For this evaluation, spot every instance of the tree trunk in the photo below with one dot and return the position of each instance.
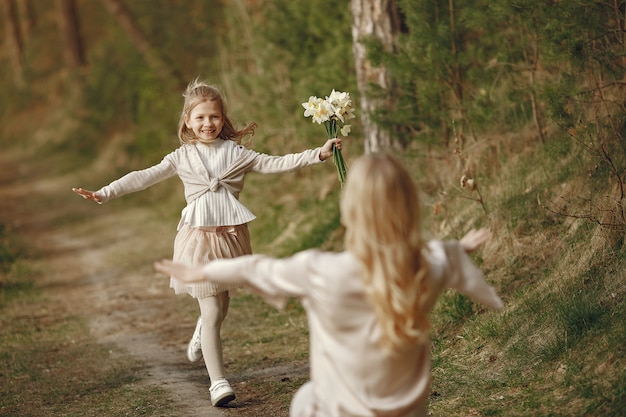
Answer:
(378, 20)
(456, 78)
(68, 26)
(14, 41)
(28, 19)
(136, 36)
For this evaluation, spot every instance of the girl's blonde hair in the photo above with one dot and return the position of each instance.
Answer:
(199, 92)
(380, 209)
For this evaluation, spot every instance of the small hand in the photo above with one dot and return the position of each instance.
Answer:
(179, 271)
(88, 195)
(473, 239)
(327, 150)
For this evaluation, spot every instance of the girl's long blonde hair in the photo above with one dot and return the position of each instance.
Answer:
(380, 209)
(199, 92)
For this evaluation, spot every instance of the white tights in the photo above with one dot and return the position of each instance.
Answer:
(213, 310)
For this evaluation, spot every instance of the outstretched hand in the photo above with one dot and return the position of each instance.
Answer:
(327, 149)
(474, 239)
(88, 195)
(179, 271)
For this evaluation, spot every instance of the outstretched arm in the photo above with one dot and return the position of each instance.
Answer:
(327, 149)
(181, 272)
(474, 239)
(276, 280)
(463, 275)
(88, 195)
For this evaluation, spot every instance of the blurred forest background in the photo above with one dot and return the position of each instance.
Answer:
(510, 114)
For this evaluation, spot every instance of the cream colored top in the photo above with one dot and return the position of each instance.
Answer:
(213, 177)
(351, 375)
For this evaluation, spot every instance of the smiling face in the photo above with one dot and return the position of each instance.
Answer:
(206, 120)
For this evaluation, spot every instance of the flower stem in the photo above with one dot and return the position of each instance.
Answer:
(340, 164)
(331, 131)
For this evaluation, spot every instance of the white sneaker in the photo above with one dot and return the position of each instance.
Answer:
(194, 348)
(221, 393)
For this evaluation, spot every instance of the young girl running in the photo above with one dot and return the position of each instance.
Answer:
(212, 165)
(367, 307)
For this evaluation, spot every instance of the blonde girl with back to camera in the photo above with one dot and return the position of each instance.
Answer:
(212, 164)
(367, 307)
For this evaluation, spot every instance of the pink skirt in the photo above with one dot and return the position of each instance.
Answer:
(200, 245)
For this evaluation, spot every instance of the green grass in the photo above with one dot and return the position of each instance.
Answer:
(50, 363)
(558, 348)
(51, 366)
(257, 336)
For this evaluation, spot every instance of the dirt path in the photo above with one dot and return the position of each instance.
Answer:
(97, 266)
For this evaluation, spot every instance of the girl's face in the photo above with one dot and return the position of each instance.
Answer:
(206, 120)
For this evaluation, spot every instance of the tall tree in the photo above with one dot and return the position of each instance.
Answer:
(14, 41)
(68, 26)
(446, 71)
(373, 20)
(27, 18)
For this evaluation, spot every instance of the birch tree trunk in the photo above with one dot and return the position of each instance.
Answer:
(68, 26)
(13, 41)
(375, 19)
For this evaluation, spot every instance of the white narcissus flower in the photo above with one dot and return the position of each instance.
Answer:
(341, 103)
(333, 112)
(311, 105)
(322, 112)
(348, 113)
(337, 98)
(337, 105)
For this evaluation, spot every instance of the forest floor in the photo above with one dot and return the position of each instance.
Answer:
(97, 264)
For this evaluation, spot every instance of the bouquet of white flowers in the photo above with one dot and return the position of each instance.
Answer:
(333, 112)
